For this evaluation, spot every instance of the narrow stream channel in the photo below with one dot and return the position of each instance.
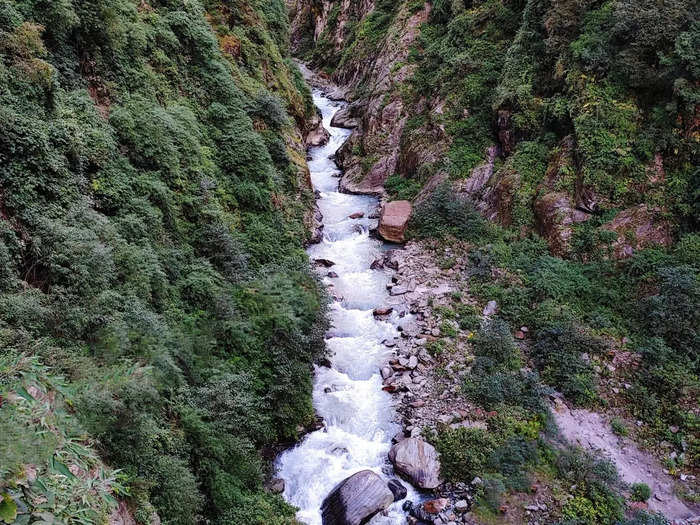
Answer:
(358, 415)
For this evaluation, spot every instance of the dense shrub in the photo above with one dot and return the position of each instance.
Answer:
(564, 355)
(446, 214)
(640, 492)
(146, 248)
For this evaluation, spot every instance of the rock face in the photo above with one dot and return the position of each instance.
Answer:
(356, 499)
(637, 228)
(418, 461)
(394, 219)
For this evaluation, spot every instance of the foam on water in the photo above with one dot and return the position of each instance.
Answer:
(358, 415)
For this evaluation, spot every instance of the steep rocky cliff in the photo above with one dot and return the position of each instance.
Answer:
(546, 115)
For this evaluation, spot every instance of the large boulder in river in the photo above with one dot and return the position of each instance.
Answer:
(394, 219)
(418, 461)
(356, 499)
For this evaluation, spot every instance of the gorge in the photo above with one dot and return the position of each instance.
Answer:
(273, 262)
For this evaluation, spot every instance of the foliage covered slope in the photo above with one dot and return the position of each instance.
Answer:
(559, 141)
(156, 310)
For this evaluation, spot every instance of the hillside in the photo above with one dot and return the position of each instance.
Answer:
(158, 319)
(550, 150)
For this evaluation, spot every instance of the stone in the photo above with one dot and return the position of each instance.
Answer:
(356, 215)
(382, 311)
(377, 264)
(436, 506)
(332, 275)
(324, 262)
(490, 309)
(397, 489)
(343, 119)
(418, 461)
(276, 486)
(461, 506)
(356, 499)
(394, 220)
(412, 362)
(386, 372)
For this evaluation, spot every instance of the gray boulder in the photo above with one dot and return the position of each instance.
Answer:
(418, 461)
(356, 499)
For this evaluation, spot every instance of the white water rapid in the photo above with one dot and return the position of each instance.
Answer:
(358, 415)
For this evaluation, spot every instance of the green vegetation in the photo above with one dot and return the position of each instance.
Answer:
(157, 316)
(640, 492)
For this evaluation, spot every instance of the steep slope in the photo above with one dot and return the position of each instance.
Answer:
(612, 85)
(551, 153)
(157, 317)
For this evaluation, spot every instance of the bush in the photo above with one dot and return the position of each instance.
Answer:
(559, 354)
(495, 342)
(464, 452)
(640, 492)
(446, 214)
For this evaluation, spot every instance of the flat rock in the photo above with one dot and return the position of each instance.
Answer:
(418, 461)
(356, 499)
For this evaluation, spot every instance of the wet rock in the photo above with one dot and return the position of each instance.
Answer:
(332, 275)
(324, 262)
(397, 489)
(418, 461)
(356, 499)
(461, 506)
(344, 119)
(377, 264)
(317, 137)
(382, 311)
(394, 220)
(356, 215)
(276, 486)
(386, 372)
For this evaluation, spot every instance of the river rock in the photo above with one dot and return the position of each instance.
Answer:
(418, 461)
(324, 262)
(344, 119)
(394, 219)
(356, 215)
(397, 489)
(356, 499)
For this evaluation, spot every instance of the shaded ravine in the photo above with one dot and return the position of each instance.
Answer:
(359, 417)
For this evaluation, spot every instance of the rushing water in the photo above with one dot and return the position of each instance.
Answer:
(358, 414)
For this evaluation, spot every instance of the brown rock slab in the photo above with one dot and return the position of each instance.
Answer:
(394, 220)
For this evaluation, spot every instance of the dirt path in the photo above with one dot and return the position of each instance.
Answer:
(593, 431)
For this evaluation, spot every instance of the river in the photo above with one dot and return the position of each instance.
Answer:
(359, 417)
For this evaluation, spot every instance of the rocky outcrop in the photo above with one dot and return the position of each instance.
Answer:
(556, 210)
(637, 228)
(418, 461)
(347, 117)
(394, 220)
(317, 135)
(356, 499)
